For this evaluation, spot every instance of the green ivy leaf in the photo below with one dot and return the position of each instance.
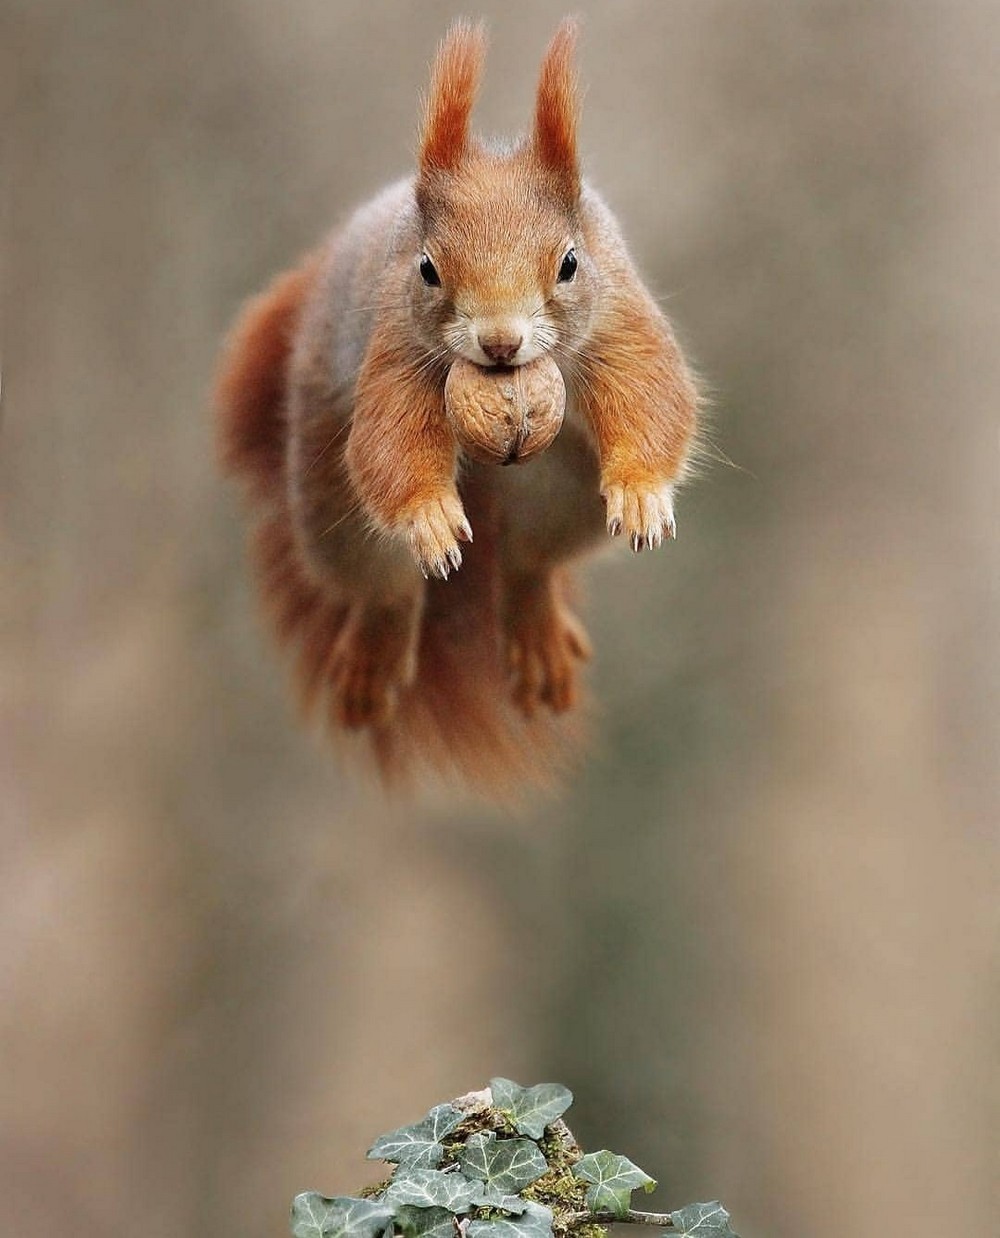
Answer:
(432, 1188)
(701, 1221)
(315, 1216)
(531, 1109)
(505, 1165)
(416, 1222)
(492, 1198)
(534, 1222)
(614, 1179)
(418, 1145)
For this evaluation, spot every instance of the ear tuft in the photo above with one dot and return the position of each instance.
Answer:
(556, 108)
(454, 82)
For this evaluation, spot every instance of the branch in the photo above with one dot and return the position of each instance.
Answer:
(632, 1217)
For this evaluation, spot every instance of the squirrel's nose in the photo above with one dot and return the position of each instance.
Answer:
(501, 348)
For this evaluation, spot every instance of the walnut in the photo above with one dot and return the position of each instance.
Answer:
(505, 415)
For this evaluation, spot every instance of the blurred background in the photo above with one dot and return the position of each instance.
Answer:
(755, 936)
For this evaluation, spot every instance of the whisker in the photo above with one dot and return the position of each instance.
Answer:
(705, 447)
(376, 305)
(662, 297)
(578, 355)
(346, 515)
(319, 456)
(429, 361)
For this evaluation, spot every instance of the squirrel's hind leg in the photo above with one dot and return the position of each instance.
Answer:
(545, 642)
(354, 646)
(552, 511)
(373, 661)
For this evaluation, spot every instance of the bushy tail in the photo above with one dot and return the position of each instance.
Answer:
(457, 720)
(252, 381)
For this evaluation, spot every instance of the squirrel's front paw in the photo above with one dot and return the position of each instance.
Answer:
(434, 530)
(645, 513)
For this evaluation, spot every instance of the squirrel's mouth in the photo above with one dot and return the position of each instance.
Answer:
(500, 367)
(492, 357)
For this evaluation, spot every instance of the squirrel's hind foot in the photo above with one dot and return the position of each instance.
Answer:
(373, 661)
(545, 644)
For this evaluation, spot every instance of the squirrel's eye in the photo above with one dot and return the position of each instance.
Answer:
(568, 268)
(428, 272)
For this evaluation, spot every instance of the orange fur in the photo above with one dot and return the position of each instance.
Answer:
(251, 382)
(331, 410)
(454, 82)
(556, 110)
(639, 398)
(401, 453)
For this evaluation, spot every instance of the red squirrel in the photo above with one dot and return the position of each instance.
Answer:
(426, 597)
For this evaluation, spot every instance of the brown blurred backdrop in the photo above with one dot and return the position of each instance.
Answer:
(755, 936)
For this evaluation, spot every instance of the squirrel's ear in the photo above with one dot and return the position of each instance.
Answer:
(556, 108)
(454, 81)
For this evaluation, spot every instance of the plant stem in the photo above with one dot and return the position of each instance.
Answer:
(632, 1217)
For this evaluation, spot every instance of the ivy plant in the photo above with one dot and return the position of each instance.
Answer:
(500, 1163)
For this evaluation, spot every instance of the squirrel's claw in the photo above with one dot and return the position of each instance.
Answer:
(645, 513)
(433, 531)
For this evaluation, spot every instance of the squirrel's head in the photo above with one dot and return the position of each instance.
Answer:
(502, 276)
